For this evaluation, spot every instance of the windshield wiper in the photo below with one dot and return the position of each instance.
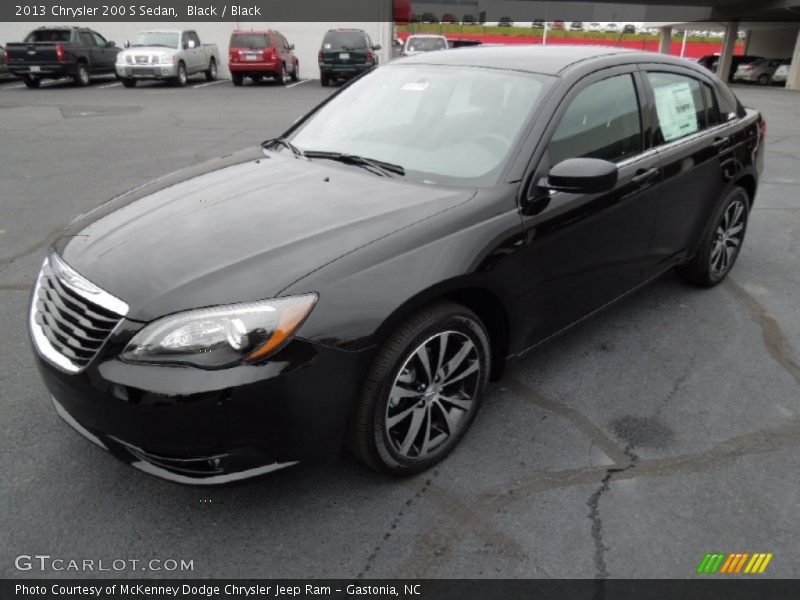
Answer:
(282, 141)
(378, 167)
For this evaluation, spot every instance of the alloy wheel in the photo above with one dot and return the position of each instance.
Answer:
(432, 394)
(728, 238)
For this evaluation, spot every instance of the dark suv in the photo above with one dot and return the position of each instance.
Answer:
(346, 53)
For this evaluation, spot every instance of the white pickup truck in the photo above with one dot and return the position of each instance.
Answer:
(171, 55)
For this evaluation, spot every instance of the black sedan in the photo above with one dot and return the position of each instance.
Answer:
(359, 281)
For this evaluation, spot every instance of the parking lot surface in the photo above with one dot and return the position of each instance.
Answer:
(664, 428)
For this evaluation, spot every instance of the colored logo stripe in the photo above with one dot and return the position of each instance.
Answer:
(734, 562)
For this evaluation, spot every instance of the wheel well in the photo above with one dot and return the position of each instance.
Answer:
(748, 182)
(494, 317)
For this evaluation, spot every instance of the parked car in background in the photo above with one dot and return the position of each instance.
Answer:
(259, 54)
(505, 22)
(781, 74)
(594, 27)
(758, 71)
(469, 19)
(449, 18)
(711, 62)
(558, 25)
(364, 276)
(429, 17)
(611, 28)
(576, 26)
(56, 52)
(538, 24)
(167, 55)
(346, 53)
(629, 28)
(418, 43)
(3, 63)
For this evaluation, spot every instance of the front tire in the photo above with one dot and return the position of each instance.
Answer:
(211, 73)
(422, 391)
(296, 72)
(237, 79)
(763, 79)
(182, 79)
(722, 242)
(129, 83)
(31, 82)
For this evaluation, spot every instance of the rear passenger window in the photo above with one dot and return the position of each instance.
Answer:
(602, 121)
(712, 109)
(679, 105)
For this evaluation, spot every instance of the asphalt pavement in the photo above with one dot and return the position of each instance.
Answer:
(664, 428)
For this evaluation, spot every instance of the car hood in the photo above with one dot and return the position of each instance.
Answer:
(240, 228)
(148, 50)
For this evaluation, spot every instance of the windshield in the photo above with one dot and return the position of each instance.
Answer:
(49, 35)
(444, 125)
(344, 39)
(250, 40)
(424, 44)
(166, 39)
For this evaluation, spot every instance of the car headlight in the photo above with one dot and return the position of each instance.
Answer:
(166, 59)
(222, 336)
(121, 58)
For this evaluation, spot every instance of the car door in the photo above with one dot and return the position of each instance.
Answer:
(93, 51)
(695, 148)
(198, 53)
(107, 54)
(585, 250)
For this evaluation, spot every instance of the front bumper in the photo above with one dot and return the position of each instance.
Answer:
(209, 427)
(147, 71)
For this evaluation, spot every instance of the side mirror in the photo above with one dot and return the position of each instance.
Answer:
(376, 47)
(581, 176)
(291, 46)
(127, 43)
(112, 44)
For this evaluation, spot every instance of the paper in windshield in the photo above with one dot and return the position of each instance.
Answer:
(676, 111)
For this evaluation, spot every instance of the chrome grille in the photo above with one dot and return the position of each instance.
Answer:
(71, 318)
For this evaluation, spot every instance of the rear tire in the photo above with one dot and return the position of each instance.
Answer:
(31, 82)
(422, 391)
(283, 75)
(211, 73)
(82, 78)
(721, 243)
(763, 79)
(129, 83)
(237, 79)
(324, 80)
(296, 72)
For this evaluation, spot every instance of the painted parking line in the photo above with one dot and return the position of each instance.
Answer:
(12, 87)
(109, 85)
(54, 82)
(210, 83)
(301, 82)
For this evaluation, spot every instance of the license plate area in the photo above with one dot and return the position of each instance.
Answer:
(36, 69)
(344, 56)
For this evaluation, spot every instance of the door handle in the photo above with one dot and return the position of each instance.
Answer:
(643, 177)
(721, 142)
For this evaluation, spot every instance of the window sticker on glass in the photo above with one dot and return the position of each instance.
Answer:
(677, 114)
(415, 86)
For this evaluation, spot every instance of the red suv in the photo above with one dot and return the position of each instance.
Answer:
(258, 54)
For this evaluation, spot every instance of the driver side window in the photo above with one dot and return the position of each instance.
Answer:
(602, 121)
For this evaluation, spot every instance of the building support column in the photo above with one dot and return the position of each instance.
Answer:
(666, 40)
(793, 81)
(728, 46)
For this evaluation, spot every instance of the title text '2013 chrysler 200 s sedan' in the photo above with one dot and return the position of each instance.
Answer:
(358, 281)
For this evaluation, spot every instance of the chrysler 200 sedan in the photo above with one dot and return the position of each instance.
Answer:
(359, 280)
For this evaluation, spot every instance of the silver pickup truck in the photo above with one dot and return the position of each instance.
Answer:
(171, 55)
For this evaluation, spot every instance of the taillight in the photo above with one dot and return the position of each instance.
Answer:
(762, 128)
(321, 55)
(61, 54)
(370, 57)
(234, 55)
(6, 55)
